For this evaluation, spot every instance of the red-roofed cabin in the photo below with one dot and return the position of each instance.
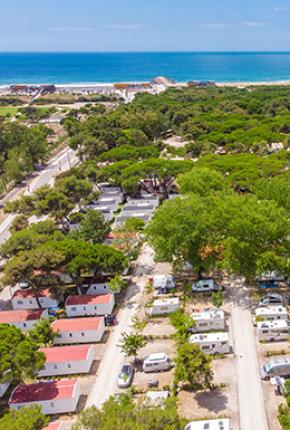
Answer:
(55, 426)
(55, 397)
(25, 299)
(78, 306)
(94, 285)
(23, 319)
(67, 360)
(78, 330)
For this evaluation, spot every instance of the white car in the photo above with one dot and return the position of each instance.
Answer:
(126, 375)
(206, 285)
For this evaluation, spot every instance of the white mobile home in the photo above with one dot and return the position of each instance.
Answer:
(212, 343)
(67, 360)
(274, 330)
(165, 306)
(209, 319)
(276, 367)
(78, 330)
(157, 363)
(162, 283)
(94, 286)
(25, 299)
(269, 313)
(54, 397)
(88, 305)
(219, 424)
(23, 319)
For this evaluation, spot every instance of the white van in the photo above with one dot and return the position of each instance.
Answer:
(165, 306)
(212, 343)
(276, 367)
(272, 330)
(209, 319)
(219, 424)
(157, 363)
(270, 313)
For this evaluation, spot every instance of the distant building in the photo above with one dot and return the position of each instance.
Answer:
(54, 397)
(78, 330)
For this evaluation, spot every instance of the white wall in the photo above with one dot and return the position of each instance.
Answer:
(81, 336)
(31, 303)
(96, 289)
(52, 407)
(164, 309)
(90, 309)
(68, 367)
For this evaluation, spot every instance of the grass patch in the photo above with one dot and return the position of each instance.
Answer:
(8, 111)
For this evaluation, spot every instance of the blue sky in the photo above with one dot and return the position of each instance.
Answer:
(139, 25)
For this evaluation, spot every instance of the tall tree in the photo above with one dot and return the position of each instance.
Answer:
(28, 418)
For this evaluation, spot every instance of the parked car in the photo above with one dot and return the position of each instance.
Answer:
(125, 377)
(271, 299)
(206, 285)
(110, 319)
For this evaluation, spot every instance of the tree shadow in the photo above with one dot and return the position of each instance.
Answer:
(215, 400)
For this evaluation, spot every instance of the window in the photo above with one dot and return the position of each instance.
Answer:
(70, 334)
(55, 366)
(74, 308)
(30, 302)
(95, 307)
(83, 334)
(20, 302)
(24, 324)
(51, 404)
(202, 324)
(84, 308)
(69, 366)
(205, 347)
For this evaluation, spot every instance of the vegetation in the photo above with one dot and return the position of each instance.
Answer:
(182, 322)
(125, 414)
(41, 333)
(131, 343)
(25, 419)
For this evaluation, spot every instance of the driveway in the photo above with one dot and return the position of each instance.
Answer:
(113, 359)
(250, 394)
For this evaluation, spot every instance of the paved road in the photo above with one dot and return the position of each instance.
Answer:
(251, 399)
(61, 162)
(113, 359)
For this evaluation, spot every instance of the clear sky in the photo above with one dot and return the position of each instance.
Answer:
(145, 25)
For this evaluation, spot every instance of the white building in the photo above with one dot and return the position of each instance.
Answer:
(78, 330)
(209, 319)
(219, 424)
(162, 283)
(269, 313)
(212, 343)
(94, 286)
(54, 397)
(165, 306)
(25, 299)
(106, 211)
(275, 330)
(88, 305)
(23, 319)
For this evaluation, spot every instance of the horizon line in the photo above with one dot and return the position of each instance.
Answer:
(150, 52)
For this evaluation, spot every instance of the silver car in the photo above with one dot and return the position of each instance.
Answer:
(125, 377)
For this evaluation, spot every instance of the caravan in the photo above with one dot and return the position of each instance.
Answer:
(272, 330)
(270, 313)
(157, 363)
(212, 343)
(276, 367)
(209, 319)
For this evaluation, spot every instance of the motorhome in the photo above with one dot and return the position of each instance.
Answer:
(157, 363)
(165, 306)
(270, 313)
(162, 284)
(207, 320)
(212, 343)
(272, 330)
(276, 367)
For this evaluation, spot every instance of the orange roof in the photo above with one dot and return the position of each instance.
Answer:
(60, 354)
(76, 324)
(89, 300)
(42, 391)
(23, 294)
(7, 317)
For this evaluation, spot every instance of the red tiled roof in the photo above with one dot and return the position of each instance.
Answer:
(66, 353)
(42, 391)
(86, 300)
(23, 294)
(7, 317)
(76, 324)
(53, 426)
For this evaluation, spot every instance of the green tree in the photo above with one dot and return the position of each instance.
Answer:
(30, 418)
(41, 334)
(117, 284)
(202, 181)
(131, 343)
(182, 322)
(93, 227)
(284, 417)
(20, 222)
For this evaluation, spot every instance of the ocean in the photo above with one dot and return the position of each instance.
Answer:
(81, 68)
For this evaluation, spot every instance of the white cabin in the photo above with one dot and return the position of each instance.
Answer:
(269, 313)
(162, 283)
(212, 343)
(274, 330)
(94, 286)
(87, 305)
(22, 319)
(207, 320)
(78, 330)
(25, 299)
(165, 306)
(67, 360)
(54, 397)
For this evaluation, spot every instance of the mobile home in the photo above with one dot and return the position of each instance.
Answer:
(276, 367)
(87, 305)
(162, 283)
(25, 299)
(209, 319)
(23, 319)
(94, 286)
(78, 330)
(165, 306)
(270, 313)
(274, 330)
(156, 363)
(212, 343)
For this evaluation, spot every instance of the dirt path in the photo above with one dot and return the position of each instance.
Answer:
(250, 394)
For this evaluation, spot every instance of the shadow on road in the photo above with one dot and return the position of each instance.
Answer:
(215, 401)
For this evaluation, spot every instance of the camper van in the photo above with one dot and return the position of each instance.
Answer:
(209, 319)
(276, 367)
(165, 306)
(272, 330)
(270, 313)
(157, 363)
(212, 343)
